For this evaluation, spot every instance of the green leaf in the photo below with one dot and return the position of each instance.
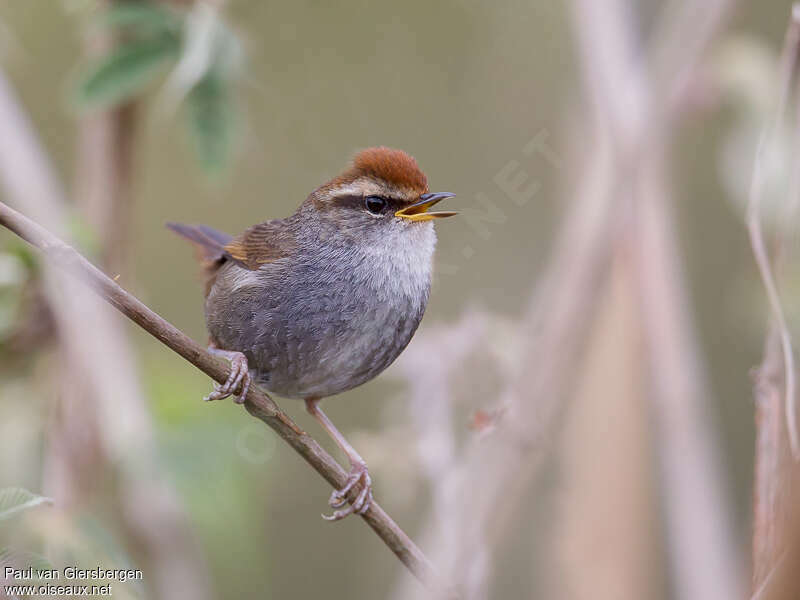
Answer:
(126, 71)
(210, 112)
(16, 500)
(141, 17)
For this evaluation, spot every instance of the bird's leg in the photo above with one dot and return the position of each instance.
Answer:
(239, 379)
(358, 469)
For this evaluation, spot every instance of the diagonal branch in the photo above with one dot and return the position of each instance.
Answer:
(257, 403)
(788, 66)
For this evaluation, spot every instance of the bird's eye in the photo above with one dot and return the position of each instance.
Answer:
(375, 204)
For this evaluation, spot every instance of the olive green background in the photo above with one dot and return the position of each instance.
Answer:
(461, 85)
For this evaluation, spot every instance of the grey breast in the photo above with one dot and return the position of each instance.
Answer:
(313, 330)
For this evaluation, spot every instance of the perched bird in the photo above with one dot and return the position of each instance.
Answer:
(320, 302)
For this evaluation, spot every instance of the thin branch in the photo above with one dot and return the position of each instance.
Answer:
(757, 595)
(695, 511)
(789, 59)
(257, 403)
(775, 474)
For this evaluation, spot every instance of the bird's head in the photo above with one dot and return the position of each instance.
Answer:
(382, 190)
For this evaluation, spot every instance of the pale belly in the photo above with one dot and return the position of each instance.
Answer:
(338, 356)
(302, 344)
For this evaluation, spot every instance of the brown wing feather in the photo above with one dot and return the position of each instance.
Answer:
(258, 245)
(261, 244)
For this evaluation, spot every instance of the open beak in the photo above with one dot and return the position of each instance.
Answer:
(419, 210)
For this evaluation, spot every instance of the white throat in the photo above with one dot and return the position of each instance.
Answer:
(401, 263)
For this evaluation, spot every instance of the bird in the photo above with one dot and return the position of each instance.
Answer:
(320, 302)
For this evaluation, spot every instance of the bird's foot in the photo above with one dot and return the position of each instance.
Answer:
(239, 379)
(358, 473)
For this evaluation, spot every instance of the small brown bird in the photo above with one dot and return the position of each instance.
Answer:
(324, 300)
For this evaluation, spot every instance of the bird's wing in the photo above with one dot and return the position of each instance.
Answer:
(261, 244)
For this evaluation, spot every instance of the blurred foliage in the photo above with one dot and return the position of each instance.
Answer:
(14, 502)
(17, 500)
(18, 267)
(15, 558)
(203, 54)
(151, 39)
(210, 120)
(12, 275)
(125, 71)
(82, 541)
(82, 235)
(138, 18)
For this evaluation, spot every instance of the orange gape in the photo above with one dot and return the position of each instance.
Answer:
(324, 300)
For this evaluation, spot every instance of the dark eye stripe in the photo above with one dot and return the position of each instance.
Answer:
(356, 201)
(351, 200)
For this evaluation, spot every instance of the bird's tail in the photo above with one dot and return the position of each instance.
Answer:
(210, 242)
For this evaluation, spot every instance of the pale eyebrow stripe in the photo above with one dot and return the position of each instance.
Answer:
(366, 188)
(350, 190)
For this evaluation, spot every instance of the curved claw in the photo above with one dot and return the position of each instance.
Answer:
(239, 378)
(361, 504)
(335, 500)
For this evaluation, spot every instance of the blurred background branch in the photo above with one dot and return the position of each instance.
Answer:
(610, 217)
(101, 367)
